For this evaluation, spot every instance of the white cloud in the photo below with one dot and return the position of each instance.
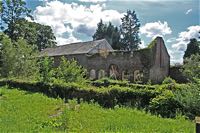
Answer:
(93, 1)
(66, 20)
(185, 36)
(142, 45)
(171, 39)
(154, 29)
(188, 11)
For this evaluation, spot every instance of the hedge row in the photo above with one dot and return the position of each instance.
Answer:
(114, 96)
(164, 100)
(107, 82)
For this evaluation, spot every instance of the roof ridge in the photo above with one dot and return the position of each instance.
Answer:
(80, 43)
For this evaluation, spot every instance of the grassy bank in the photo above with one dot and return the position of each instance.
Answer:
(23, 111)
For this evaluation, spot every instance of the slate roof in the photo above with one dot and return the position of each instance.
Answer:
(74, 48)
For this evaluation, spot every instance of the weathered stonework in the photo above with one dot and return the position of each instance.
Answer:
(151, 63)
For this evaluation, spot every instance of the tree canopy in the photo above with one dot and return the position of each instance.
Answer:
(193, 47)
(37, 35)
(17, 60)
(192, 66)
(130, 31)
(16, 26)
(109, 32)
(124, 38)
(12, 10)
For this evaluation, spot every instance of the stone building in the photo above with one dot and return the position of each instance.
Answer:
(100, 60)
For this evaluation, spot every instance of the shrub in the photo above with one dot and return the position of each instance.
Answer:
(189, 97)
(191, 67)
(69, 71)
(46, 69)
(168, 80)
(18, 60)
(165, 104)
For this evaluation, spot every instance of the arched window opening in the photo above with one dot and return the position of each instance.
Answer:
(92, 74)
(125, 75)
(101, 74)
(113, 72)
(138, 76)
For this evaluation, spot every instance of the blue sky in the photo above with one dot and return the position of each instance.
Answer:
(75, 20)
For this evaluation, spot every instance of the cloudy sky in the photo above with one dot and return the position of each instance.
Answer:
(75, 20)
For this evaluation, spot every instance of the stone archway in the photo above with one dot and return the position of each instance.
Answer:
(138, 76)
(92, 74)
(125, 75)
(101, 74)
(114, 71)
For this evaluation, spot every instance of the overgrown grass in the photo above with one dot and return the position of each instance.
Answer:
(21, 111)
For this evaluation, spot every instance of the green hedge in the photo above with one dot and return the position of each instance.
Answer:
(105, 82)
(106, 97)
(165, 100)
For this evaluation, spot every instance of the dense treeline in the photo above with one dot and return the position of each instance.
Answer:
(125, 37)
(14, 24)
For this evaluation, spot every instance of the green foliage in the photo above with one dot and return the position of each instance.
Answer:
(130, 31)
(46, 69)
(8, 52)
(18, 60)
(165, 104)
(191, 67)
(193, 47)
(53, 115)
(105, 96)
(109, 32)
(69, 71)
(16, 26)
(165, 100)
(189, 97)
(152, 44)
(12, 10)
(37, 35)
(168, 80)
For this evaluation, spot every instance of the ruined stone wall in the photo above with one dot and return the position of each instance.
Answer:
(119, 65)
(137, 66)
(161, 62)
(132, 66)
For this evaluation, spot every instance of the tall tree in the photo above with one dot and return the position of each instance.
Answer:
(12, 10)
(18, 60)
(108, 32)
(193, 47)
(191, 67)
(100, 32)
(130, 31)
(37, 35)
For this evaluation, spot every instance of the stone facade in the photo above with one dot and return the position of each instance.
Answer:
(151, 63)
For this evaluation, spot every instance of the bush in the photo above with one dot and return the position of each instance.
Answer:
(106, 97)
(164, 100)
(69, 71)
(18, 60)
(191, 67)
(46, 69)
(189, 97)
(168, 80)
(165, 105)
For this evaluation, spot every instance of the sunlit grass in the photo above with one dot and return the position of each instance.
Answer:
(21, 111)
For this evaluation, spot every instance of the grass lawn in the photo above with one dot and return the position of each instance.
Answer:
(21, 111)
